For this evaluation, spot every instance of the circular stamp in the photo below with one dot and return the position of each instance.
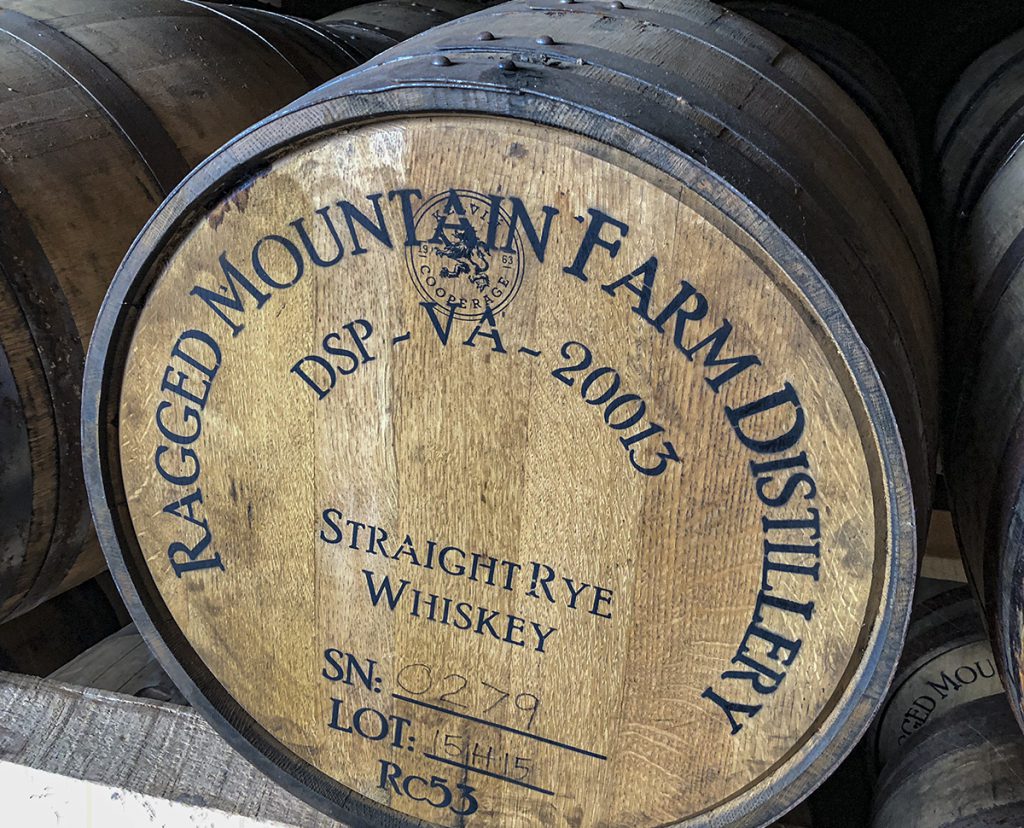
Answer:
(469, 255)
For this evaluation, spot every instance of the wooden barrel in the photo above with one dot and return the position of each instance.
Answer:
(392, 21)
(978, 142)
(965, 772)
(979, 126)
(97, 127)
(853, 65)
(946, 662)
(507, 432)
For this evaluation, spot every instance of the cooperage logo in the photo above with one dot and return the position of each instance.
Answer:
(467, 257)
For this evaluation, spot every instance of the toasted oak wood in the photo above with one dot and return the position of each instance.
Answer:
(581, 628)
(104, 108)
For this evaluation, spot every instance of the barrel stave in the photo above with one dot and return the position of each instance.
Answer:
(742, 107)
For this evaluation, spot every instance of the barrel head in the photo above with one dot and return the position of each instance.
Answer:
(535, 482)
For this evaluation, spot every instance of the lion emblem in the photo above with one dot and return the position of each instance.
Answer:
(452, 264)
(465, 256)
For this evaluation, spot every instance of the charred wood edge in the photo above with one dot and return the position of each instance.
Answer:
(416, 88)
(150, 748)
(32, 280)
(126, 110)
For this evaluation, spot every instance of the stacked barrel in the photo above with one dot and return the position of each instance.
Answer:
(97, 127)
(946, 662)
(852, 65)
(942, 745)
(977, 143)
(529, 414)
(546, 408)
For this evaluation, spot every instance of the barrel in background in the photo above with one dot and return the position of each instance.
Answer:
(946, 662)
(978, 145)
(964, 771)
(851, 64)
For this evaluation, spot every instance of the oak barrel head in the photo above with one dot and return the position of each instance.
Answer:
(472, 454)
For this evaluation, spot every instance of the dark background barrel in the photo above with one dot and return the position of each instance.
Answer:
(105, 105)
(963, 773)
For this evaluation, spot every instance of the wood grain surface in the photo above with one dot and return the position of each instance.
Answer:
(136, 747)
(471, 452)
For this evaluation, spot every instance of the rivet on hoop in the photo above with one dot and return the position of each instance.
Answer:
(440, 60)
(507, 65)
(545, 40)
(616, 4)
(485, 36)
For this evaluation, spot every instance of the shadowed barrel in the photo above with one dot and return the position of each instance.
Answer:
(946, 662)
(964, 772)
(978, 143)
(851, 64)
